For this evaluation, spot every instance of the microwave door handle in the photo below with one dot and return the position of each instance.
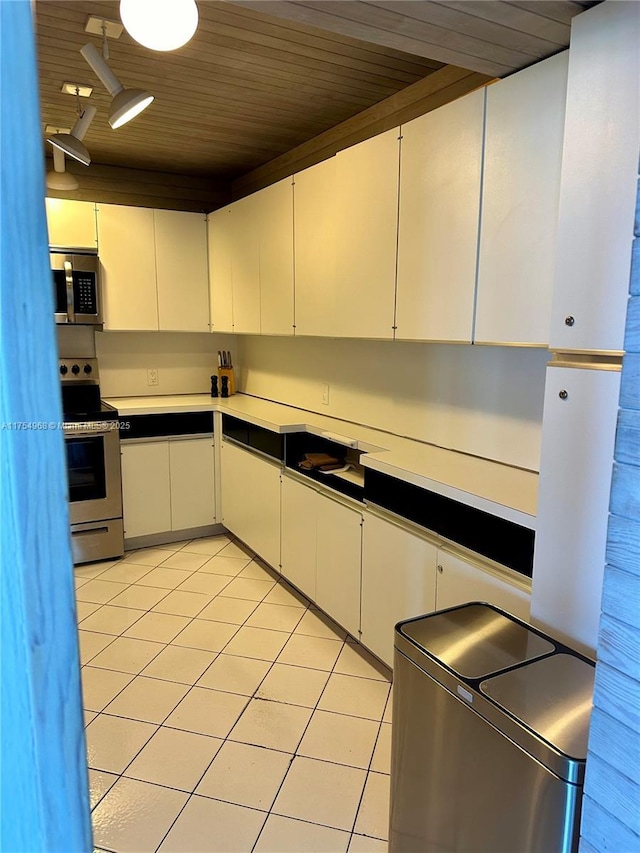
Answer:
(68, 275)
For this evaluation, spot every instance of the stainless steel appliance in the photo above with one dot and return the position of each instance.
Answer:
(489, 741)
(76, 286)
(92, 444)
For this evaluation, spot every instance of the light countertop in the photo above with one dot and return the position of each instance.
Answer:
(502, 490)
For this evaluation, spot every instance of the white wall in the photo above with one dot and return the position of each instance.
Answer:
(482, 400)
(184, 361)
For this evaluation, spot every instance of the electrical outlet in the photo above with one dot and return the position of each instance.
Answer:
(152, 376)
(325, 394)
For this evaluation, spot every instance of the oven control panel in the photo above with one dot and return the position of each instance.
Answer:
(79, 370)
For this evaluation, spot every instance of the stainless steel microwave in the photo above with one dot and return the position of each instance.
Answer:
(76, 286)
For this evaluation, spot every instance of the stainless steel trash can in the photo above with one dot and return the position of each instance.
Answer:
(489, 736)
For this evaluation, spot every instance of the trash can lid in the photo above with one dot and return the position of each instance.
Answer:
(552, 697)
(475, 640)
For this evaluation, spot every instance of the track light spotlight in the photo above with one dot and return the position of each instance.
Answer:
(71, 143)
(59, 178)
(126, 103)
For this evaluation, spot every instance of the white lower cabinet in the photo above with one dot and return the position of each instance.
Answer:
(459, 581)
(398, 581)
(298, 558)
(167, 485)
(251, 500)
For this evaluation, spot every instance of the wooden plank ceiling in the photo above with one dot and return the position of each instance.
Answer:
(262, 80)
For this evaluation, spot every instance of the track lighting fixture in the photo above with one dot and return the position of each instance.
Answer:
(71, 143)
(126, 103)
(160, 24)
(59, 178)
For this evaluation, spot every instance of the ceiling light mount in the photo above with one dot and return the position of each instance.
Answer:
(82, 90)
(126, 103)
(101, 26)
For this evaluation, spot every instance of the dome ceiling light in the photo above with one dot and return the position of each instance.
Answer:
(126, 103)
(58, 178)
(160, 24)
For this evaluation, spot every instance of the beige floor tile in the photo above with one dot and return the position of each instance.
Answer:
(99, 783)
(271, 724)
(125, 573)
(92, 570)
(173, 546)
(112, 742)
(207, 712)
(185, 560)
(79, 582)
(335, 737)
(245, 588)
(88, 717)
(164, 578)
(364, 844)
(157, 627)
(139, 597)
(233, 610)
(208, 545)
(229, 566)
(313, 652)
(92, 644)
(100, 686)
(257, 643)
(205, 634)
(205, 582)
(294, 685)
(245, 775)
(388, 711)
(127, 655)
(314, 623)
(373, 814)
(286, 835)
(99, 591)
(282, 594)
(183, 603)
(354, 660)
(321, 793)
(277, 617)
(111, 620)
(174, 758)
(214, 827)
(358, 697)
(147, 556)
(147, 699)
(134, 816)
(237, 549)
(85, 608)
(258, 571)
(235, 674)
(382, 753)
(176, 663)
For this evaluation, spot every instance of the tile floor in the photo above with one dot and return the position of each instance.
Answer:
(223, 712)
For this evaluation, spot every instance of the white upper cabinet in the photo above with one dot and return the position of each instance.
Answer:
(245, 265)
(128, 262)
(275, 225)
(219, 234)
(71, 224)
(599, 180)
(366, 225)
(440, 174)
(522, 162)
(182, 274)
(316, 301)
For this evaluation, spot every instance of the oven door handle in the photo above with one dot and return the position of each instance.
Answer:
(68, 276)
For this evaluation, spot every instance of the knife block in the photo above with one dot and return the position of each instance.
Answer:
(230, 374)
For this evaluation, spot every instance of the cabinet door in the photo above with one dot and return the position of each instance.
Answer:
(145, 488)
(339, 557)
(251, 501)
(275, 210)
(182, 276)
(366, 228)
(245, 261)
(398, 582)
(298, 557)
(576, 461)
(440, 171)
(128, 261)
(459, 581)
(220, 270)
(192, 483)
(316, 300)
(71, 223)
(599, 180)
(521, 186)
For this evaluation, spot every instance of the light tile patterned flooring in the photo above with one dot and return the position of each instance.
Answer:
(223, 712)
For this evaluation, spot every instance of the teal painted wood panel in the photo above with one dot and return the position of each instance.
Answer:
(619, 646)
(44, 790)
(621, 594)
(625, 491)
(614, 742)
(605, 833)
(627, 447)
(632, 333)
(623, 543)
(618, 695)
(630, 381)
(634, 287)
(618, 792)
